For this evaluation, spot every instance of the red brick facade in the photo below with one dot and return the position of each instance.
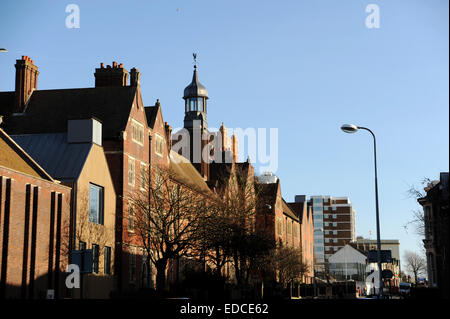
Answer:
(34, 235)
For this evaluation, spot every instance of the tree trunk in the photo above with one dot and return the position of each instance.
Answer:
(161, 266)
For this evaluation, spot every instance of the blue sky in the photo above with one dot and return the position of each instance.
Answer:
(304, 67)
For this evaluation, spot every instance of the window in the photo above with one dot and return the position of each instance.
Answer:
(131, 171)
(132, 264)
(130, 220)
(289, 228)
(143, 176)
(159, 144)
(327, 232)
(327, 224)
(107, 263)
(137, 132)
(82, 245)
(327, 240)
(334, 224)
(278, 226)
(335, 241)
(95, 257)
(334, 232)
(295, 230)
(96, 204)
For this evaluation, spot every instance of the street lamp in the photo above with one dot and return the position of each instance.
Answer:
(350, 128)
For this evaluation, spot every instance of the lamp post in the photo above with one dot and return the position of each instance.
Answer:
(350, 128)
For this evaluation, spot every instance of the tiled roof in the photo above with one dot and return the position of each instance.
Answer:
(186, 173)
(48, 110)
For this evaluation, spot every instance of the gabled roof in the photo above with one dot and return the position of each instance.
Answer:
(267, 192)
(151, 112)
(13, 156)
(48, 110)
(62, 160)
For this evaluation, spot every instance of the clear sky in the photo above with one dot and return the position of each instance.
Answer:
(304, 67)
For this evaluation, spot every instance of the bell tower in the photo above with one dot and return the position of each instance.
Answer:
(195, 97)
(196, 122)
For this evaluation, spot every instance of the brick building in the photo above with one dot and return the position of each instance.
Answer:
(301, 208)
(77, 159)
(34, 209)
(334, 226)
(437, 238)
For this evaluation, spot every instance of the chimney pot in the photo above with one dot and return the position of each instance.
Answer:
(114, 64)
(102, 65)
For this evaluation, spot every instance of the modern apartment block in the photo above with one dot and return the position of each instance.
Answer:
(334, 226)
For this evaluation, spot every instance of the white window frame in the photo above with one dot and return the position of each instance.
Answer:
(137, 129)
(159, 138)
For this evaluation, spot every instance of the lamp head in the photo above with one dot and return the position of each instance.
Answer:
(3, 50)
(349, 128)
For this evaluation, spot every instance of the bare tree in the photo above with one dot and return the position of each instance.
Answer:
(417, 221)
(234, 237)
(415, 264)
(168, 216)
(289, 265)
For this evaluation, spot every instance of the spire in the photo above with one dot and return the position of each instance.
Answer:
(195, 88)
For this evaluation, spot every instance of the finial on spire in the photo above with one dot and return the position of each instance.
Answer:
(195, 59)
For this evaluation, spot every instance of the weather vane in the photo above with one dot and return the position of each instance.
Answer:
(195, 59)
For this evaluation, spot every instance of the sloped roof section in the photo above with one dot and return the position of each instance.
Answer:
(297, 208)
(63, 161)
(14, 157)
(48, 110)
(6, 102)
(186, 173)
(288, 211)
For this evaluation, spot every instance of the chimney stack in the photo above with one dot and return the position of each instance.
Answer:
(135, 77)
(26, 82)
(111, 76)
(235, 148)
(168, 129)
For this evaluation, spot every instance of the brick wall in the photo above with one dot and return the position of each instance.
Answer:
(34, 235)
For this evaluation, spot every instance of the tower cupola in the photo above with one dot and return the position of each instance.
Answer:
(195, 96)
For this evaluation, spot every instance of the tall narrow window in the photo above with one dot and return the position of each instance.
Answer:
(96, 195)
(131, 219)
(82, 245)
(107, 263)
(132, 264)
(131, 171)
(159, 144)
(95, 257)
